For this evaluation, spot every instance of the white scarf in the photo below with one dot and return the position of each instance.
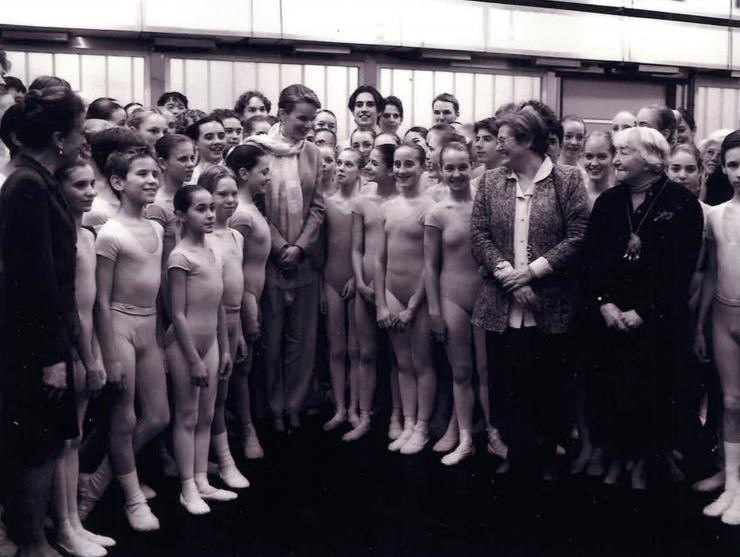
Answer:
(284, 201)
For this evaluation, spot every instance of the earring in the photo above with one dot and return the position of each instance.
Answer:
(61, 151)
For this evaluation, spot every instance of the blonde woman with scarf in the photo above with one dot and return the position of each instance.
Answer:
(295, 212)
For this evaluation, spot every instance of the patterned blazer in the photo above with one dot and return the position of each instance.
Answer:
(557, 228)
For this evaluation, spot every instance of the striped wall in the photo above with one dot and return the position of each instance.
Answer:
(94, 75)
(213, 84)
(717, 106)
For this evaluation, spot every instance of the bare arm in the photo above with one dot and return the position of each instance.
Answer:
(432, 249)
(178, 301)
(252, 287)
(104, 274)
(384, 318)
(708, 287)
(358, 250)
(222, 332)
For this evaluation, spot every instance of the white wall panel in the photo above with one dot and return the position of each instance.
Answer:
(40, 63)
(716, 107)
(69, 66)
(245, 78)
(124, 15)
(479, 94)
(221, 92)
(222, 17)
(447, 24)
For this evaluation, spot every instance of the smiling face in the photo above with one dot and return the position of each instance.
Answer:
(211, 142)
(201, 214)
(456, 169)
(391, 119)
(175, 107)
(225, 197)
(683, 169)
(258, 179)
(375, 168)
(299, 122)
(710, 157)
(254, 106)
(407, 169)
(142, 181)
(485, 148)
(79, 189)
(574, 134)
(683, 131)
(180, 163)
(630, 168)
(597, 158)
(510, 150)
(365, 111)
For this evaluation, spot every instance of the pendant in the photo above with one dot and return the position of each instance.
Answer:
(634, 246)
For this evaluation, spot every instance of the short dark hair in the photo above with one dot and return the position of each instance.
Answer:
(184, 196)
(12, 82)
(164, 98)
(395, 101)
(165, 144)
(9, 128)
(244, 156)
(193, 130)
(732, 141)
(421, 154)
(111, 140)
(448, 98)
(421, 130)
(488, 124)
(221, 114)
(119, 163)
(379, 101)
(53, 109)
(527, 125)
(386, 153)
(241, 103)
(547, 115)
(44, 81)
(687, 116)
(102, 108)
(666, 119)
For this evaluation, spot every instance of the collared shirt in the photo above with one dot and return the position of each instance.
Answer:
(518, 316)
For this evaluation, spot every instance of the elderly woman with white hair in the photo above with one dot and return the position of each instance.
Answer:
(641, 250)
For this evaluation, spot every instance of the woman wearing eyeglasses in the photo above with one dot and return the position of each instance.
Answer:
(527, 228)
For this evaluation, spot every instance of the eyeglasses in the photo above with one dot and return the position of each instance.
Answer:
(504, 140)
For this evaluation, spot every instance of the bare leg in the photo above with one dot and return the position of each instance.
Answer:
(401, 342)
(252, 447)
(366, 364)
(353, 352)
(336, 334)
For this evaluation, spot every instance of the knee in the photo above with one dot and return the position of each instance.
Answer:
(124, 424)
(158, 419)
(186, 420)
(731, 403)
(337, 353)
(367, 355)
(462, 377)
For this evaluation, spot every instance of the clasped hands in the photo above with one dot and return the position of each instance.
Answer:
(619, 320)
(516, 282)
(288, 259)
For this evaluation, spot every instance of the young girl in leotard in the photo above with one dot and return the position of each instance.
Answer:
(220, 181)
(129, 249)
(328, 166)
(197, 345)
(339, 288)
(452, 284)
(721, 292)
(251, 166)
(150, 123)
(367, 234)
(78, 188)
(400, 297)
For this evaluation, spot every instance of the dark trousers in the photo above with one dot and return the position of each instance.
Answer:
(528, 377)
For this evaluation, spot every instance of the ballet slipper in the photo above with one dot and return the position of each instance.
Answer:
(712, 483)
(353, 417)
(395, 429)
(232, 477)
(76, 546)
(215, 494)
(140, 517)
(496, 445)
(195, 506)
(86, 499)
(360, 430)
(463, 450)
(449, 440)
(614, 473)
(638, 477)
(338, 419)
(105, 541)
(731, 516)
(418, 440)
(401, 440)
(719, 505)
(148, 492)
(252, 448)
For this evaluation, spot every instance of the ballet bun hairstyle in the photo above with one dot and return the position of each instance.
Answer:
(419, 153)
(732, 141)
(606, 135)
(45, 112)
(455, 146)
(184, 197)
(212, 175)
(244, 156)
(386, 154)
(65, 171)
(354, 152)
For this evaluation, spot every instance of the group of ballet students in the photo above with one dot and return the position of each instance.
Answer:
(146, 246)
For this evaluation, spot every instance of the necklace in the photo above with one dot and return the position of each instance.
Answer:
(634, 244)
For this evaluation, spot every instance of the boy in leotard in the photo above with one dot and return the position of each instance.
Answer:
(367, 233)
(78, 188)
(251, 166)
(400, 297)
(722, 285)
(229, 245)
(129, 249)
(197, 345)
(339, 289)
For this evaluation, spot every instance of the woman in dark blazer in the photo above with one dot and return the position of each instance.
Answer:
(37, 253)
(528, 224)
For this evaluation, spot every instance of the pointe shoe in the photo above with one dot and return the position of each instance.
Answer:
(104, 541)
(496, 445)
(141, 518)
(448, 441)
(353, 417)
(197, 507)
(463, 451)
(360, 430)
(719, 505)
(401, 439)
(731, 516)
(252, 447)
(711, 483)
(338, 419)
(148, 492)
(77, 546)
(7, 547)
(416, 443)
(395, 429)
(210, 493)
(232, 477)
